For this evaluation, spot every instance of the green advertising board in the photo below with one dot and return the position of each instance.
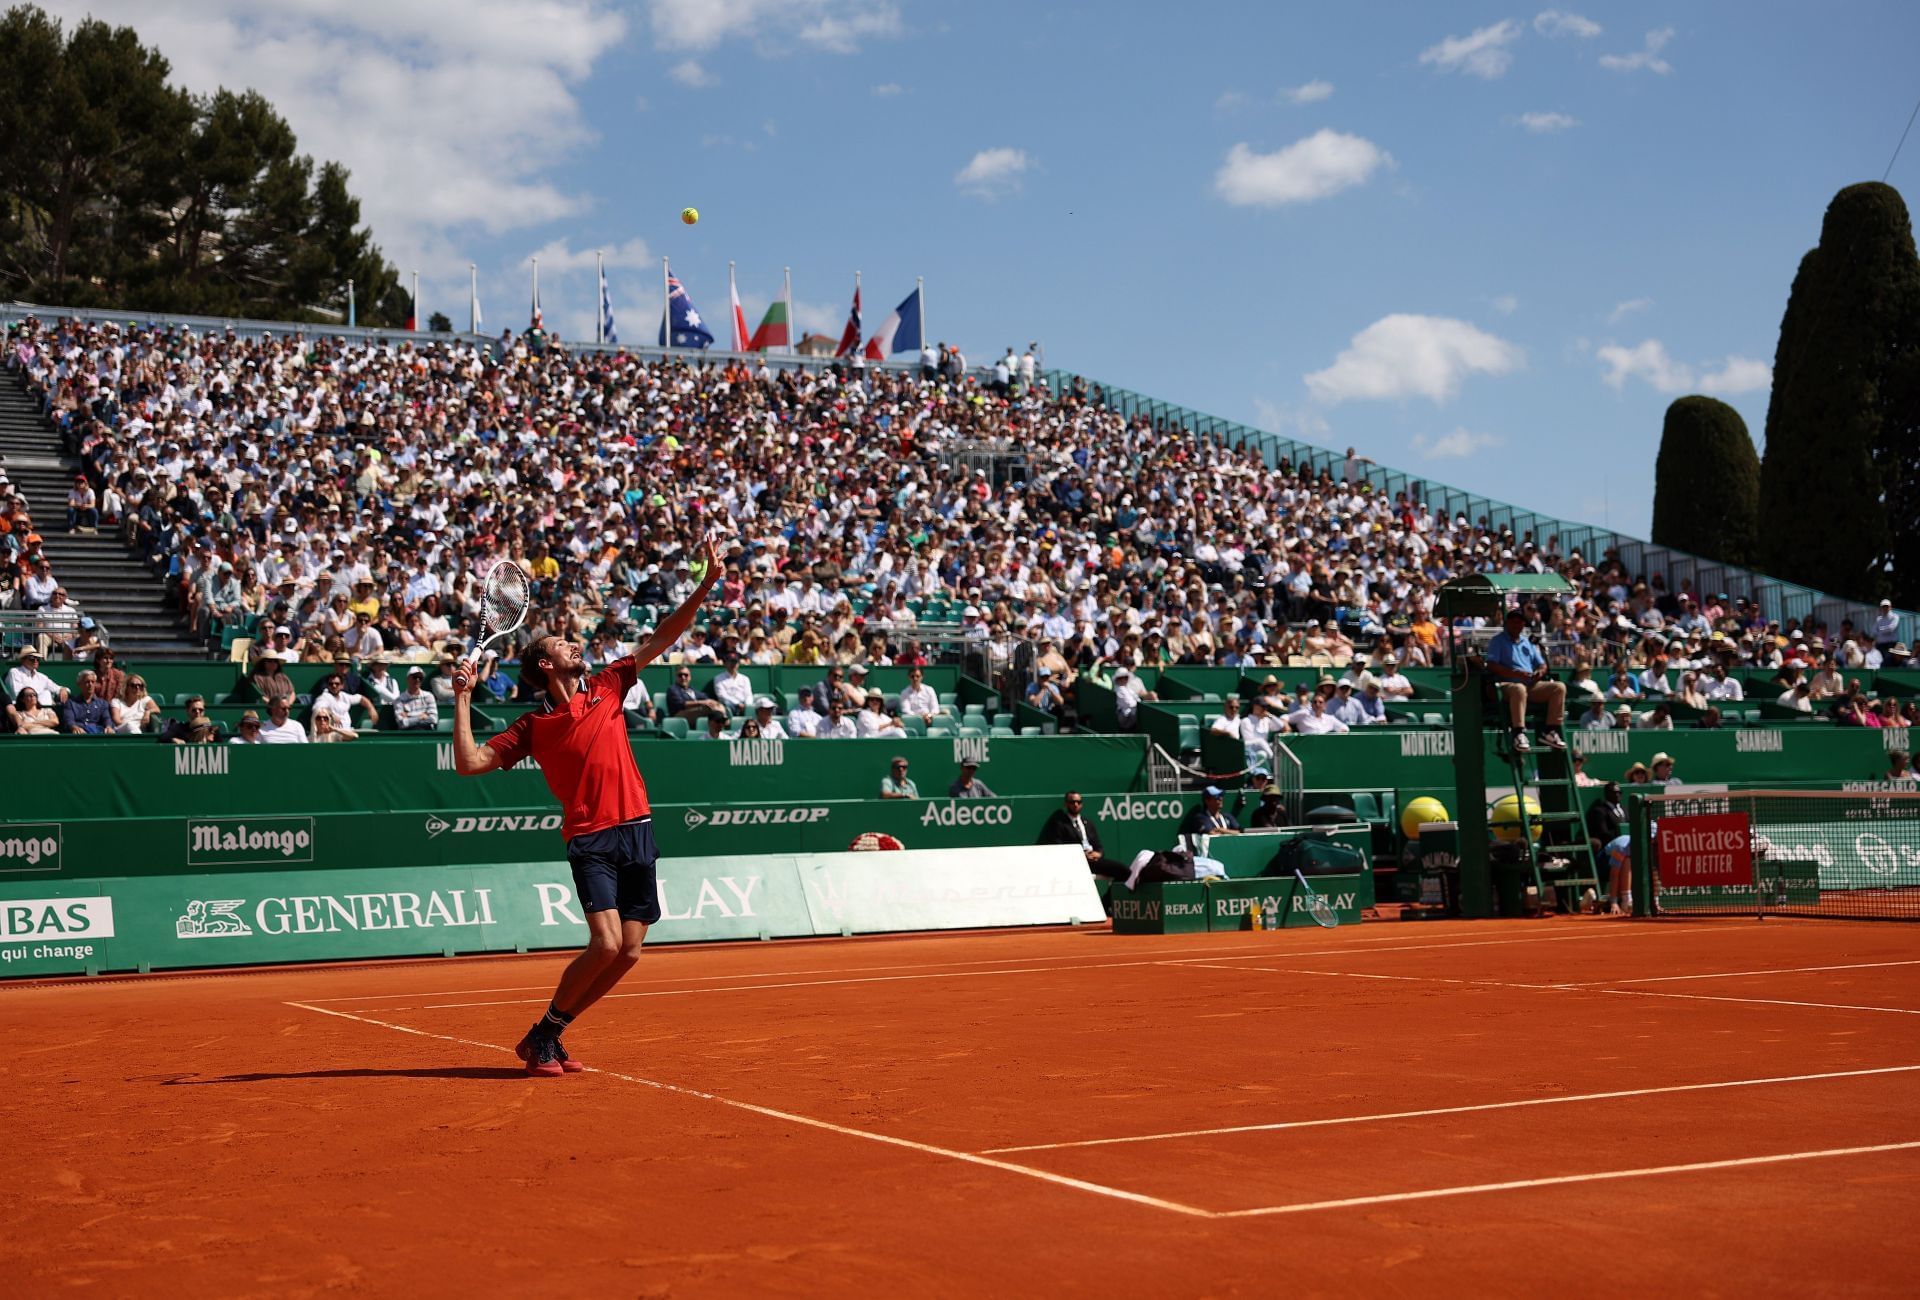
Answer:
(1180, 907)
(107, 777)
(69, 927)
(436, 838)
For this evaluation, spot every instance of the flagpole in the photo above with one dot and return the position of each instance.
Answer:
(416, 301)
(733, 298)
(473, 298)
(599, 296)
(920, 290)
(666, 305)
(536, 292)
(350, 314)
(792, 339)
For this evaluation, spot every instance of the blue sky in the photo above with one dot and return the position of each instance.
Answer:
(1489, 244)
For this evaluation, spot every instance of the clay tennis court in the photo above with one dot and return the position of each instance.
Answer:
(1577, 1105)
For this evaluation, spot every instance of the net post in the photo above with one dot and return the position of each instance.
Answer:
(1637, 811)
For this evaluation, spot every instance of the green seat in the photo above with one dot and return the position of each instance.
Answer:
(939, 730)
(1434, 719)
(976, 711)
(1003, 719)
(675, 727)
(1189, 735)
(972, 728)
(948, 700)
(997, 730)
(914, 723)
(1033, 731)
(444, 724)
(1365, 806)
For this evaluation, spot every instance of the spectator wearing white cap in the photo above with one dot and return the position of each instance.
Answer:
(26, 674)
(415, 709)
(1127, 694)
(972, 626)
(770, 728)
(1886, 628)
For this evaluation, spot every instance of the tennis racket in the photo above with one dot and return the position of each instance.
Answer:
(503, 606)
(1323, 915)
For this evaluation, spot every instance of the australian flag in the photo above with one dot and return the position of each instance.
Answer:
(689, 331)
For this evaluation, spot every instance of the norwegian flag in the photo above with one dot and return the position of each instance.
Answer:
(850, 337)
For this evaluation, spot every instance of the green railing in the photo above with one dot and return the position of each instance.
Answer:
(1781, 600)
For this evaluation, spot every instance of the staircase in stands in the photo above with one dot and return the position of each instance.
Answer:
(102, 577)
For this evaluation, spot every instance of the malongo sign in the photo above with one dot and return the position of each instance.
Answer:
(223, 841)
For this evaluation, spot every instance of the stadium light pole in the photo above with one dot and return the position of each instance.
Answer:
(350, 313)
(792, 338)
(473, 298)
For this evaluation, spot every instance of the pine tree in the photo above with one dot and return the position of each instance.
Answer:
(1706, 496)
(1838, 485)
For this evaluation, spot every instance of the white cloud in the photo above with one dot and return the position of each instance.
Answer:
(1648, 361)
(1738, 375)
(1647, 56)
(1625, 309)
(1547, 123)
(452, 115)
(1457, 445)
(993, 172)
(1311, 93)
(1506, 304)
(838, 26)
(559, 256)
(689, 72)
(1554, 22)
(1230, 101)
(887, 90)
(1323, 164)
(1482, 54)
(1403, 356)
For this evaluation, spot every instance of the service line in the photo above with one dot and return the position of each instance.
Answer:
(1520, 1184)
(1450, 1110)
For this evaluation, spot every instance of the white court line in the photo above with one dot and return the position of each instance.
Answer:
(1450, 1110)
(1736, 974)
(1361, 943)
(965, 1157)
(1161, 960)
(1518, 1184)
(1558, 988)
(1769, 1002)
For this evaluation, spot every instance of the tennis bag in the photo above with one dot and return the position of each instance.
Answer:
(1316, 855)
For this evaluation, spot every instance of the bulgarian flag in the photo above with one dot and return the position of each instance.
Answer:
(773, 331)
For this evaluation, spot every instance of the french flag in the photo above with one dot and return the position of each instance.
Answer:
(900, 332)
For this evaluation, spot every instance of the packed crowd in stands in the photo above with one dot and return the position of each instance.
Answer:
(342, 502)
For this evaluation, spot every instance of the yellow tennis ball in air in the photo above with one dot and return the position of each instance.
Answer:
(689, 215)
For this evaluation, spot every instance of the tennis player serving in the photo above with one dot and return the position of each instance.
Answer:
(580, 741)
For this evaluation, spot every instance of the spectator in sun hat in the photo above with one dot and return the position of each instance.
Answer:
(27, 673)
(1661, 770)
(249, 730)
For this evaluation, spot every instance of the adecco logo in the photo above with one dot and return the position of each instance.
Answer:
(967, 812)
(30, 847)
(215, 841)
(757, 816)
(1128, 809)
(50, 918)
(492, 824)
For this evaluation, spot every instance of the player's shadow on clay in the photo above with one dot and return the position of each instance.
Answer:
(438, 1072)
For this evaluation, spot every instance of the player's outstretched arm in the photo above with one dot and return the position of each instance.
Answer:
(676, 624)
(469, 759)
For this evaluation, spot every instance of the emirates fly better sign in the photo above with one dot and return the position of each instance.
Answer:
(1715, 849)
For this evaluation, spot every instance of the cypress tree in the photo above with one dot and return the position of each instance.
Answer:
(1706, 495)
(1841, 425)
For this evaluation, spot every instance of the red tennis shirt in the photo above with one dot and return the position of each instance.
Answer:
(583, 752)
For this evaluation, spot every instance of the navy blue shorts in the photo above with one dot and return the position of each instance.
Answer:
(614, 868)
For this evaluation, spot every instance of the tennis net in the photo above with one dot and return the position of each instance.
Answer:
(1852, 855)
